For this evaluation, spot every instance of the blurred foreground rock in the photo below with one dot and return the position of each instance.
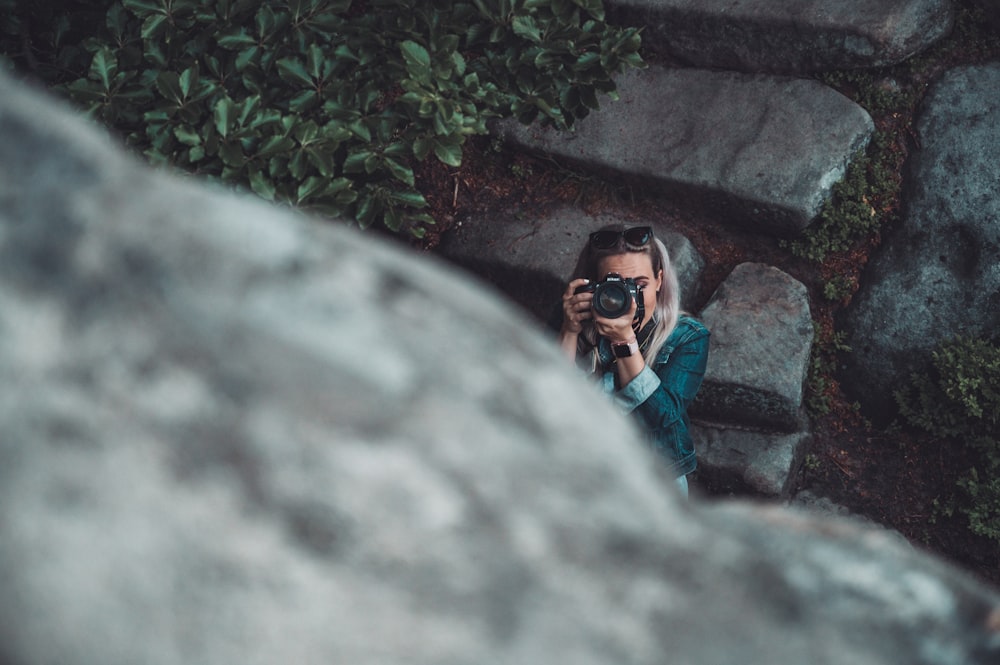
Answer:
(236, 436)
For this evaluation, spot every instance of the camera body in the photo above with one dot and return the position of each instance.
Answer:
(613, 296)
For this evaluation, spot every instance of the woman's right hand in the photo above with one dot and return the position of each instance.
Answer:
(576, 307)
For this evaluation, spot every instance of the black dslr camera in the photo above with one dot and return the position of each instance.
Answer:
(613, 296)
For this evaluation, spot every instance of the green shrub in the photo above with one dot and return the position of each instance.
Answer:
(958, 399)
(822, 365)
(327, 104)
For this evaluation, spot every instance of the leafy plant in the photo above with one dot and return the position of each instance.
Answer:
(958, 399)
(822, 365)
(328, 104)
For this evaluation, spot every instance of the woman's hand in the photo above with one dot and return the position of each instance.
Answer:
(576, 310)
(576, 307)
(617, 330)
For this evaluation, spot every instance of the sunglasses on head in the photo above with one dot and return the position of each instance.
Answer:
(637, 236)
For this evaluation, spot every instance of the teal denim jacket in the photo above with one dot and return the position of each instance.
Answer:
(659, 396)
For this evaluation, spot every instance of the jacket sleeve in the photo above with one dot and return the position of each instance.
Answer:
(660, 395)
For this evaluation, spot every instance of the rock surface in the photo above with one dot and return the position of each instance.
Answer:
(763, 151)
(938, 275)
(211, 455)
(745, 461)
(762, 335)
(787, 37)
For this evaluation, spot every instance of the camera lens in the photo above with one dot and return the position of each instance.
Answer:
(612, 299)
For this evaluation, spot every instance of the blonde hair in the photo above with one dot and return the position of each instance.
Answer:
(668, 305)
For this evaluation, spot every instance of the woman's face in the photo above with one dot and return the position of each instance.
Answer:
(638, 266)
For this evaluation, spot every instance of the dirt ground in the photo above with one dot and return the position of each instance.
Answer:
(895, 477)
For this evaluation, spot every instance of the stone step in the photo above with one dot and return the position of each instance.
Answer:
(761, 151)
(746, 461)
(779, 36)
(762, 336)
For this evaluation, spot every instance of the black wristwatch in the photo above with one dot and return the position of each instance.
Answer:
(625, 349)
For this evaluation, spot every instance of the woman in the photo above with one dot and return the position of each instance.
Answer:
(652, 358)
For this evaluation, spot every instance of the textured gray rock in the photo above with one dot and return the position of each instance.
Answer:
(748, 462)
(762, 335)
(763, 151)
(530, 258)
(938, 275)
(787, 37)
(233, 436)
(813, 504)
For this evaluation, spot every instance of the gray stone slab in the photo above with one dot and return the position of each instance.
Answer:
(938, 275)
(531, 257)
(762, 151)
(738, 460)
(787, 37)
(762, 336)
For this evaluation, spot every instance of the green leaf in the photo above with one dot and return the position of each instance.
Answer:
(248, 108)
(187, 135)
(304, 101)
(422, 147)
(368, 210)
(322, 160)
(154, 26)
(262, 186)
(298, 165)
(399, 171)
(448, 153)
(104, 67)
(342, 52)
(409, 198)
(309, 187)
(393, 219)
(314, 61)
(168, 84)
(337, 186)
(235, 40)
(293, 71)
(143, 8)
(187, 81)
(458, 63)
(525, 26)
(360, 129)
(355, 162)
(246, 57)
(415, 54)
(232, 154)
(275, 144)
(222, 114)
(85, 91)
(306, 132)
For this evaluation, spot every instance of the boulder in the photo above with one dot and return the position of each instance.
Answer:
(763, 152)
(748, 462)
(762, 335)
(936, 276)
(529, 258)
(233, 435)
(787, 37)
